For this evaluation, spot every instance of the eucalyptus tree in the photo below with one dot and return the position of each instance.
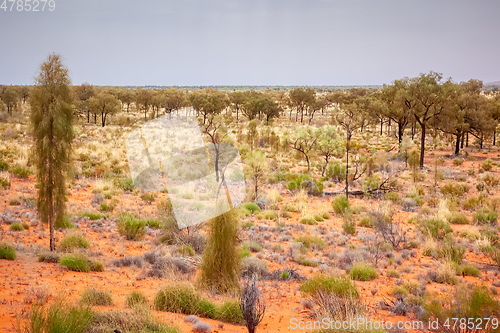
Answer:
(174, 99)
(51, 122)
(237, 99)
(127, 96)
(328, 145)
(104, 103)
(82, 94)
(300, 99)
(143, 101)
(10, 98)
(304, 141)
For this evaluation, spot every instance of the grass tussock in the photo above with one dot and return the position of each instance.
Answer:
(131, 227)
(73, 241)
(7, 252)
(93, 296)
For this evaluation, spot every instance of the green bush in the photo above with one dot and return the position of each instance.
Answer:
(93, 296)
(311, 242)
(92, 216)
(457, 218)
(468, 270)
(435, 228)
(485, 216)
(306, 261)
(458, 161)
(80, 263)
(252, 207)
(4, 166)
(349, 225)
(63, 222)
(74, 241)
(148, 197)
(4, 183)
(338, 285)
(362, 272)
(135, 299)
(487, 164)
(454, 190)
(308, 221)
(14, 201)
(340, 204)
(451, 251)
(16, 226)
(186, 250)
(183, 298)
(393, 196)
(51, 257)
(336, 172)
(126, 184)
(20, 172)
(130, 227)
(252, 246)
(366, 221)
(392, 273)
(7, 252)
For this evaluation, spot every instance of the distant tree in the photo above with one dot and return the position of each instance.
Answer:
(24, 92)
(217, 134)
(237, 99)
(258, 168)
(10, 99)
(51, 121)
(105, 104)
(252, 134)
(319, 103)
(143, 101)
(300, 99)
(174, 100)
(157, 101)
(127, 96)
(82, 95)
(328, 145)
(209, 102)
(304, 141)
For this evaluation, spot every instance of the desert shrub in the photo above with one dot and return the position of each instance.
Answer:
(338, 285)
(252, 207)
(444, 274)
(466, 303)
(4, 166)
(80, 263)
(252, 305)
(458, 161)
(435, 228)
(391, 232)
(308, 221)
(370, 183)
(311, 242)
(136, 299)
(306, 261)
(454, 190)
(14, 201)
(74, 241)
(252, 246)
(92, 216)
(130, 227)
(457, 218)
(148, 197)
(51, 257)
(362, 272)
(366, 221)
(319, 218)
(393, 196)
(126, 184)
(487, 164)
(4, 182)
(340, 204)
(7, 252)
(93, 296)
(63, 222)
(336, 172)
(451, 251)
(489, 233)
(349, 225)
(220, 262)
(269, 215)
(392, 273)
(485, 216)
(471, 203)
(186, 250)
(468, 270)
(16, 226)
(183, 298)
(253, 265)
(20, 172)
(229, 312)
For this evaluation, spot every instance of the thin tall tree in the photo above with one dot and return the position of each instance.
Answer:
(51, 121)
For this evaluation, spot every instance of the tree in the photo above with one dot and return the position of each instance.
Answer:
(10, 99)
(258, 168)
(105, 104)
(127, 97)
(237, 99)
(51, 121)
(209, 101)
(220, 263)
(328, 145)
(252, 134)
(215, 130)
(143, 101)
(82, 95)
(24, 93)
(304, 141)
(300, 99)
(174, 100)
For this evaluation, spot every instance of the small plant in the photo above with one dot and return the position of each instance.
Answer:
(308, 221)
(51, 257)
(7, 252)
(148, 197)
(186, 250)
(16, 226)
(80, 263)
(393, 196)
(74, 241)
(4, 183)
(311, 242)
(92, 216)
(485, 216)
(458, 161)
(457, 218)
(20, 172)
(349, 225)
(487, 164)
(338, 285)
(130, 227)
(435, 228)
(126, 184)
(251, 207)
(136, 299)
(340, 204)
(362, 272)
(96, 297)
(392, 273)
(252, 246)
(454, 190)
(366, 221)
(252, 305)
(14, 201)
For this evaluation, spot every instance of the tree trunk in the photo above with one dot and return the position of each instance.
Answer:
(308, 164)
(381, 126)
(467, 140)
(103, 117)
(462, 141)
(494, 137)
(347, 168)
(457, 145)
(88, 116)
(324, 167)
(422, 146)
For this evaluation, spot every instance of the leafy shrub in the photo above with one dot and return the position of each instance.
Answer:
(74, 241)
(92, 216)
(444, 274)
(458, 161)
(468, 270)
(63, 222)
(338, 285)
(7, 252)
(392, 273)
(20, 172)
(336, 172)
(349, 225)
(451, 251)
(340, 204)
(457, 218)
(135, 298)
(485, 216)
(130, 227)
(435, 228)
(96, 297)
(4, 166)
(4, 183)
(312, 242)
(252, 207)
(362, 272)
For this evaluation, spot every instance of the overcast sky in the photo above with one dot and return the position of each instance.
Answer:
(254, 42)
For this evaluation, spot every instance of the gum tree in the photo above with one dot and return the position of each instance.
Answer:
(51, 121)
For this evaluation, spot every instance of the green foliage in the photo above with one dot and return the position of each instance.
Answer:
(92, 216)
(306, 261)
(51, 257)
(485, 216)
(252, 207)
(74, 241)
(487, 164)
(392, 273)
(7, 252)
(362, 272)
(451, 251)
(311, 242)
(130, 227)
(393, 196)
(183, 298)
(4, 183)
(126, 184)
(308, 221)
(148, 197)
(454, 190)
(93, 296)
(336, 172)
(63, 222)
(186, 250)
(468, 270)
(136, 299)
(221, 262)
(16, 226)
(20, 172)
(366, 221)
(349, 225)
(435, 228)
(370, 183)
(458, 161)
(4, 166)
(252, 246)
(338, 285)
(80, 263)
(340, 204)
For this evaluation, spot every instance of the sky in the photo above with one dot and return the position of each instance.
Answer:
(252, 42)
